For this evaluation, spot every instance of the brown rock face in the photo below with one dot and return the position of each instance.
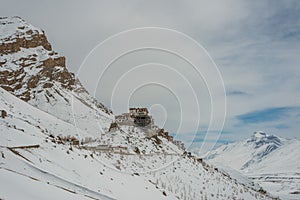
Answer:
(3, 113)
(52, 62)
(30, 69)
(26, 71)
(48, 72)
(11, 80)
(35, 41)
(32, 82)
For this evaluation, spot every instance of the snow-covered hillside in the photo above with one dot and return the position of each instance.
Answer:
(33, 156)
(271, 161)
(55, 142)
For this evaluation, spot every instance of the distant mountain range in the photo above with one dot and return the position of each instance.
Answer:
(271, 161)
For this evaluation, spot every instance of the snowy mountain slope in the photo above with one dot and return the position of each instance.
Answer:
(25, 125)
(47, 148)
(280, 172)
(72, 172)
(284, 159)
(24, 118)
(32, 71)
(20, 180)
(246, 153)
(271, 161)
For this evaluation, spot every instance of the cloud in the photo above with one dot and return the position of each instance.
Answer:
(281, 121)
(266, 115)
(203, 141)
(255, 45)
(236, 92)
(282, 126)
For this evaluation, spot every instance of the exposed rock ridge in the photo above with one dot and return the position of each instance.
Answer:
(29, 66)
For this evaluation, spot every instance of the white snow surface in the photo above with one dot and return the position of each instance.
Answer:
(70, 172)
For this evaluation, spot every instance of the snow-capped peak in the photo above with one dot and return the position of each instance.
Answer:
(268, 159)
(260, 138)
(259, 134)
(15, 26)
(248, 152)
(16, 33)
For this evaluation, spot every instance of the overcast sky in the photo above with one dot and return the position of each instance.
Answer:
(254, 44)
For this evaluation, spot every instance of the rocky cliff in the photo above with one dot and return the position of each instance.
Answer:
(33, 72)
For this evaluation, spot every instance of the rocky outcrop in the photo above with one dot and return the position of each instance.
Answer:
(17, 34)
(31, 70)
(7, 46)
(47, 71)
(52, 62)
(27, 49)
(3, 113)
